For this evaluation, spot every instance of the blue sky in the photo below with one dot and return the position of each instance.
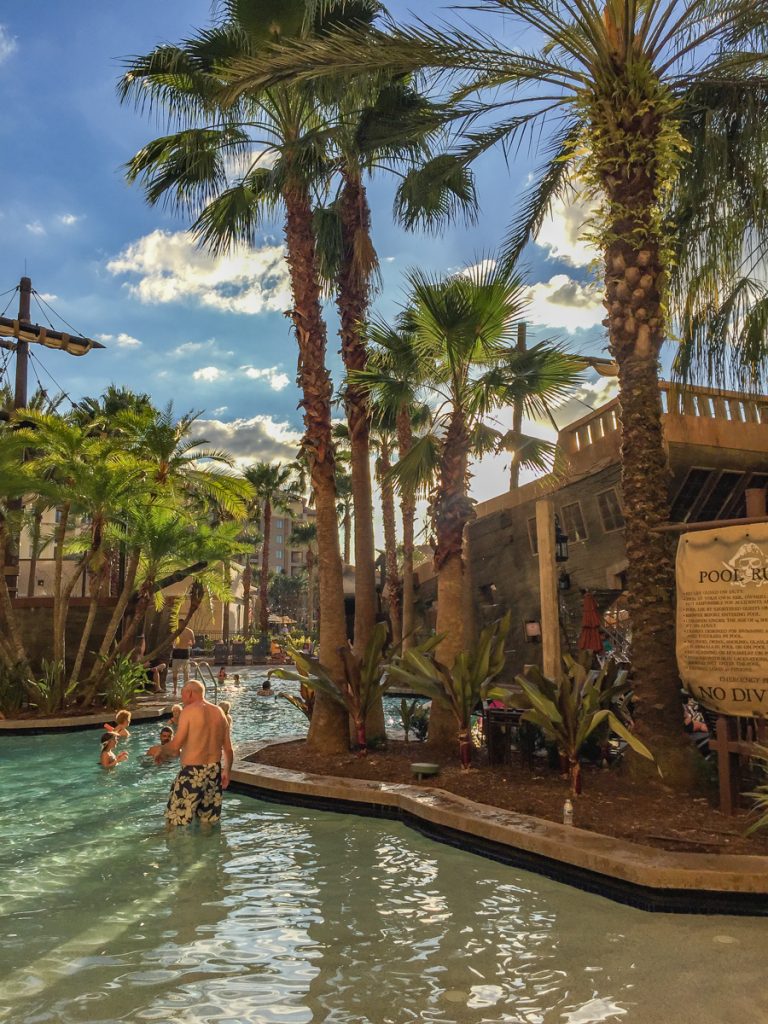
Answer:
(207, 334)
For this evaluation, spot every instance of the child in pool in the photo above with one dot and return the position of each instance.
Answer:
(225, 706)
(222, 674)
(236, 679)
(120, 728)
(266, 689)
(108, 758)
(175, 712)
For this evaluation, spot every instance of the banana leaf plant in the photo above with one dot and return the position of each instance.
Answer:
(461, 687)
(365, 679)
(569, 709)
(304, 700)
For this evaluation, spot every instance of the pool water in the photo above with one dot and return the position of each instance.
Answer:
(288, 915)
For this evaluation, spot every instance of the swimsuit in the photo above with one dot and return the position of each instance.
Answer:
(180, 654)
(196, 791)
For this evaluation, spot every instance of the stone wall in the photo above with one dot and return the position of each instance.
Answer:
(35, 617)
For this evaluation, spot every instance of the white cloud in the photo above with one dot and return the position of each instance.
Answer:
(122, 340)
(8, 44)
(565, 303)
(47, 296)
(209, 373)
(188, 348)
(599, 392)
(35, 228)
(220, 410)
(169, 268)
(260, 438)
(277, 380)
(67, 219)
(561, 230)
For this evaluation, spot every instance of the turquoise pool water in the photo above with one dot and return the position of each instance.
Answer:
(292, 916)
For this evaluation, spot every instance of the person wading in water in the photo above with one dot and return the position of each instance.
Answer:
(203, 742)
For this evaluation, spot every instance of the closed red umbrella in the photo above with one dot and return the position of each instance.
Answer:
(590, 637)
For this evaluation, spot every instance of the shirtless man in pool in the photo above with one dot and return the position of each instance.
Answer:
(203, 741)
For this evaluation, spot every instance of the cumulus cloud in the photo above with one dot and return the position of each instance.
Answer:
(122, 340)
(47, 296)
(565, 303)
(209, 373)
(8, 44)
(258, 439)
(560, 233)
(35, 228)
(277, 380)
(599, 392)
(67, 219)
(167, 267)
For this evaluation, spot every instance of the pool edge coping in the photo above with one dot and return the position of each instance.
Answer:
(630, 873)
(74, 723)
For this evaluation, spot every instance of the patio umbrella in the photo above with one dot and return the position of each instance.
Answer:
(590, 638)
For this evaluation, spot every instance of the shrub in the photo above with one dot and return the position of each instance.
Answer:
(14, 684)
(124, 681)
(49, 692)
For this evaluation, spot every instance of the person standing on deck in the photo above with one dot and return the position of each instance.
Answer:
(205, 746)
(180, 655)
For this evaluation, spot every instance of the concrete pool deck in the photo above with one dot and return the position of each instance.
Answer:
(642, 876)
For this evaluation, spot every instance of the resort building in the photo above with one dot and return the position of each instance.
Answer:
(717, 444)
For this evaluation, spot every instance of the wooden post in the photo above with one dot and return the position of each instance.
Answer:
(19, 402)
(550, 618)
(726, 739)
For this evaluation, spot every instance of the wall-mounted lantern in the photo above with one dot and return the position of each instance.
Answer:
(563, 581)
(561, 543)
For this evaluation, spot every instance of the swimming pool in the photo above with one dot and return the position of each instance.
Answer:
(288, 915)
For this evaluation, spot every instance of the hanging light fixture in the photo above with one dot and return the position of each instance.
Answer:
(561, 543)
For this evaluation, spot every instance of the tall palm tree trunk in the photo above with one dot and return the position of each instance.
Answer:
(346, 526)
(328, 728)
(390, 543)
(451, 511)
(352, 301)
(633, 278)
(247, 577)
(264, 579)
(408, 515)
(34, 551)
(310, 589)
(14, 643)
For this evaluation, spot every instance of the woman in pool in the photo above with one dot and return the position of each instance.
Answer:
(108, 758)
(266, 690)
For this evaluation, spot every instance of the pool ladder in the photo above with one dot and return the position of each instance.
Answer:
(198, 667)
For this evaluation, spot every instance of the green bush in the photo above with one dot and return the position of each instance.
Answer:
(49, 692)
(124, 681)
(13, 689)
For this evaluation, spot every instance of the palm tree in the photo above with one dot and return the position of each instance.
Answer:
(189, 169)
(396, 402)
(462, 329)
(383, 442)
(347, 512)
(275, 489)
(305, 535)
(658, 112)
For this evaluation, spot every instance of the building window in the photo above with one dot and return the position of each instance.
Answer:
(532, 537)
(278, 538)
(58, 515)
(279, 524)
(573, 521)
(279, 554)
(610, 510)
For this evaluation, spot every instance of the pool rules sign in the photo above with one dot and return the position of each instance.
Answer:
(722, 618)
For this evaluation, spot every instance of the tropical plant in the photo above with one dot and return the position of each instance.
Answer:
(458, 689)
(570, 708)
(124, 679)
(13, 688)
(462, 328)
(413, 718)
(760, 793)
(304, 701)
(364, 683)
(305, 535)
(49, 690)
(275, 488)
(657, 114)
(232, 165)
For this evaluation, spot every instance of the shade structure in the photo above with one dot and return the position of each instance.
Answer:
(590, 637)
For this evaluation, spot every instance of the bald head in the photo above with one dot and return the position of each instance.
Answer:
(192, 692)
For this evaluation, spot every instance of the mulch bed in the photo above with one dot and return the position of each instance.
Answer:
(612, 804)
